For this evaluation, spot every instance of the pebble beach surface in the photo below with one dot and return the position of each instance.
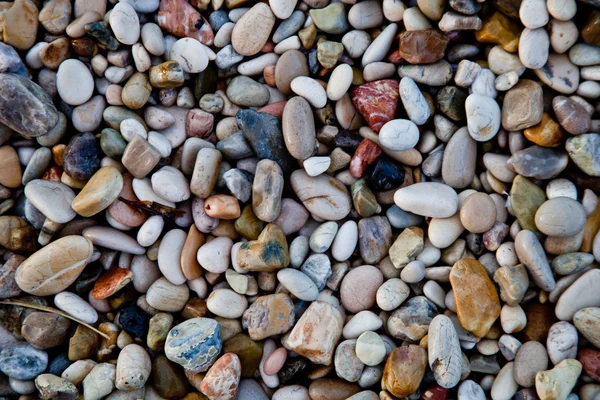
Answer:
(300, 199)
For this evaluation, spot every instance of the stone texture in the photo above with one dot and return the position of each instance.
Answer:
(423, 46)
(377, 102)
(268, 316)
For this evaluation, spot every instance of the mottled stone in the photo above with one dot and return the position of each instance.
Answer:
(179, 18)
(584, 151)
(223, 378)
(423, 46)
(526, 197)
(404, 370)
(269, 315)
(377, 102)
(194, 344)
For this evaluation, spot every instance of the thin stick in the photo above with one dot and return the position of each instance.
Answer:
(52, 310)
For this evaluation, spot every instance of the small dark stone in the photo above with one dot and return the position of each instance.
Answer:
(313, 62)
(526, 394)
(291, 369)
(59, 364)
(134, 321)
(263, 131)
(25, 107)
(81, 159)
(206, 81)
(386, 175)
(347, 140)
(289, 26)
(475, 243)
(85, 281)
(101, 32)
(326, 115)
(217, 19)
(451, 101)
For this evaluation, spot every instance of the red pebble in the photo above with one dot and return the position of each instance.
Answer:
(377, 102)
(111, 282)
(435, 393)
(590, 359)
(366, 153)
(223, 378)
(275, 109)
(198, 123)
(395, 58)
(268, 47)
(179, 18)
(53, 174)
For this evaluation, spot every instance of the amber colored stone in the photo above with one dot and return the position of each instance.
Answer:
(395, 57)
(189, 263)
(308, 36)
(540, 317)
(249, 352)
(500, 29)
(10, 167)
(108, 347)
(20, 24)
(547, 133)
(111, 282)
(269, 315)
(83, 344)
(168, 379)
(435, 393)
(248, 225)
(508, 7)
(404, 370)
(476, 298)
(590, 32)
(591, 228)
(365, 155)
(194, 308)
(58, 153)
(269, 75)
(17, 235)
(423, 47)
(332, 389)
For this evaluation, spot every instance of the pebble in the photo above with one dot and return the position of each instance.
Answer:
(562, 342)
(531, 358)
(99, 382)
(444, 352)
(483, 117)
(133, 368)
(530, 252)
(398, 135)
(347, 364)
(252, 31)
(505, 386)
(429, 199)
(298, 283)
(559, 381)
(52, 386)
(43, 273)
(194, 344)
(165, 296)
(323, 196)
(74, 82)
(226, 303)
(578, 296)
(124, 23)
(581, 152)
(404, 370)
(22, 361)
(362, 322)
(76, 306)
(464, 277)
(316, 333)
(586, 321)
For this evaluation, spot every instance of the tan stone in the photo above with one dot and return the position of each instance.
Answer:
(268, 316)
(407, 246)
(83, 344)
(55, 267)
(99, 192)
(19, 24)
(140, 157)
(10, 168)
(475, 296)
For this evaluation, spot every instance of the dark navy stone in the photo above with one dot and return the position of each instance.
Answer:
(292, 368)
(101, 32)
(386, 175)
(88, 277)
(348, 140)
(217, 19)
(59, 364)
(313, 62)
(263, 131)
(134, 321)
(81, 159)
(289, 27)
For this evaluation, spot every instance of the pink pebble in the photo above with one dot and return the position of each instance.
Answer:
(275, 109)
(275, 361)
(113, 95)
